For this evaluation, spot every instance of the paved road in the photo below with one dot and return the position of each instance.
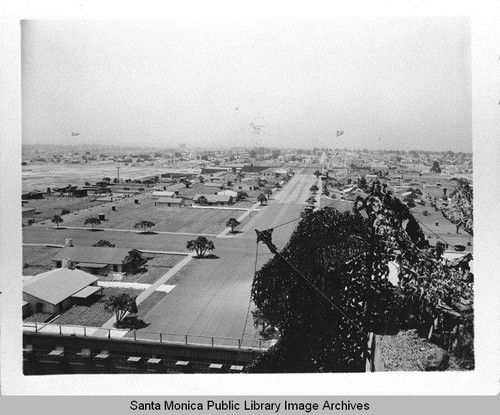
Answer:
(211, 296)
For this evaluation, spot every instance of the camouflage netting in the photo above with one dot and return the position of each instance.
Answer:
(328, 287)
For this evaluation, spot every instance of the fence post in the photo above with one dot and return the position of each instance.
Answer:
(239, 343)
(260, 344)
(60, 330)
(109, 333)
(84, 331)
(36, 327)
(186, 339)
(135, 335)
(161, 338)
(212, 342)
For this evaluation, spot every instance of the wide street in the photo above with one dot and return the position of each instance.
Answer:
(211, 297)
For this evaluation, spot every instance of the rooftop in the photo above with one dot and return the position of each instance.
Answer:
(96, 255)
(58, 284)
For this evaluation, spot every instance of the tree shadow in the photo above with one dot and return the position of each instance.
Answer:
(132, 323)
(148, 233)
(235, 232)
(60, 228)
(96, 230)
(209, 256)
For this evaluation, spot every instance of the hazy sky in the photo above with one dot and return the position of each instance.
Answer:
(387, 83)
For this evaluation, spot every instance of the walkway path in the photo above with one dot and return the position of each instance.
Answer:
(153, 287)
(134, 285)
(136, 231)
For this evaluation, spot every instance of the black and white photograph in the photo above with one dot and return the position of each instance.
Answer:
(208, 197)
(260, 197)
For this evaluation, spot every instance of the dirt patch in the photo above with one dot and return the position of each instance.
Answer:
(406, 352)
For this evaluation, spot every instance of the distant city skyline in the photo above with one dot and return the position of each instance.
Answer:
(388, 83)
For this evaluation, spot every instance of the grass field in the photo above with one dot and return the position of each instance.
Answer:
(155, 268)
(94, 314)
(167, 219)
(38, 259)
(52, 205)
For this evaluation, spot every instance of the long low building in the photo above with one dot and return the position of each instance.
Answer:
(96, 260)
(216, 200)
(57, 290)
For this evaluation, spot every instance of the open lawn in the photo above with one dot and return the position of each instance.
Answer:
(444, 228)
(53, 205)
(166, 219)
(94, 314)
(38, 259)
(154, 269)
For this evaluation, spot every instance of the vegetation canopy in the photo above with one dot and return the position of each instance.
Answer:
(329, 286)
(200, 245)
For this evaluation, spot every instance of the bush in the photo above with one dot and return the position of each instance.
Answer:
(425, 213)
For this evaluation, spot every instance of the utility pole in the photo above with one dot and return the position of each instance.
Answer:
(118, 173)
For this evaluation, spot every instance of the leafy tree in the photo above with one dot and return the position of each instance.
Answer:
(362, 184)
(144, 224)
(277, 185)
(317, 173)
(65, 212)
(120, 305)
(313, 188)
(133, 262)
(200, 245)
(268, 193)
(104, 244)
(31, 221)
(187, 183)
(232, 223)
(92, 222)
(329, 286)
(262, 199)
(241, 195)
(435, 167)
(57, 220)
(460, 207)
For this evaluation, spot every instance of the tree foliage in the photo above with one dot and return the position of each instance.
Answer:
(200, 245)
(460, 207)
(120, 305)
(104, 244)
(435, 167)
(57, 220)
(144, 224)
(262, 198)
(92, 221)
(232, 223)
(133, 262)
(329, 286)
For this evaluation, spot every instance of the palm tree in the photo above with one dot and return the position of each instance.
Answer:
(57, 220)
(92, 222)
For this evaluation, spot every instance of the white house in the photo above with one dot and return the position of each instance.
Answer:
(57, 290)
